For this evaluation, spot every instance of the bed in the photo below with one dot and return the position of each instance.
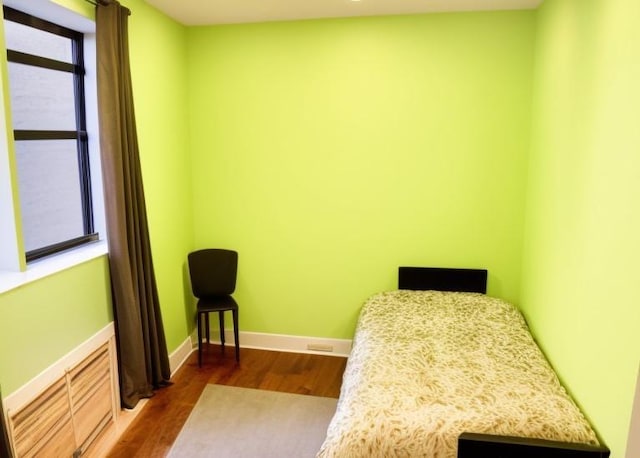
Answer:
(438, 369)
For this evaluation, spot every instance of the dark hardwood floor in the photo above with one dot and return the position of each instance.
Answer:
(155, 429)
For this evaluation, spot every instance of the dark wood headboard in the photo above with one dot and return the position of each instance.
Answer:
(472, 445)
(442, 279)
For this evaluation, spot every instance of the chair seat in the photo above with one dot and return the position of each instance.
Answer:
(217, 304)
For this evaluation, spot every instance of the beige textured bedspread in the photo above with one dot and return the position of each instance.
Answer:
(428, 365)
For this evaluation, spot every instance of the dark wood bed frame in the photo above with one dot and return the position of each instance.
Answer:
(472, 445)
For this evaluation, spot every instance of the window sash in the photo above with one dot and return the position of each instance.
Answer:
(80, 134)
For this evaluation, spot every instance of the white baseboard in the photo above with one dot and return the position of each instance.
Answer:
(257, 340)
(287, 343)
(39, 383)
(179, 356)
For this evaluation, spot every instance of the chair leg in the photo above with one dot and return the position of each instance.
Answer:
(206, 325)
(199, 339)
(221, 319)
(235, 334)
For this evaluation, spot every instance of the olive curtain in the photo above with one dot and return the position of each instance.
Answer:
(142, 351)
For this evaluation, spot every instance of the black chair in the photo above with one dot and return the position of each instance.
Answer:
(213, 280)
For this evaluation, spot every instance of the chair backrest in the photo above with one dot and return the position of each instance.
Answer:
(213, 272)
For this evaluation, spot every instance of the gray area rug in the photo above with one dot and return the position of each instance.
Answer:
(231, 422)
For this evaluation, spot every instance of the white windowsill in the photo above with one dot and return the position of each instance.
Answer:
(51, 265)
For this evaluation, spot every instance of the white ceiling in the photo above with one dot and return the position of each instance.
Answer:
(206, 12)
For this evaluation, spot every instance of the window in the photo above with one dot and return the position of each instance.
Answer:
(46, 80)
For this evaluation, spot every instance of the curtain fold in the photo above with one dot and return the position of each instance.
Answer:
(142, 351)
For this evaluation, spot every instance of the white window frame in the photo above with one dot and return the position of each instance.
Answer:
(14, 271)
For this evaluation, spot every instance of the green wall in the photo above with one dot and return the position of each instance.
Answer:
(580, 274)
(330, 152)
(159, 72)
(42, 321)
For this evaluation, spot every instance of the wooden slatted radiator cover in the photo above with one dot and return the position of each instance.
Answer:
(91, 397)
(44, 424)
(68, 417)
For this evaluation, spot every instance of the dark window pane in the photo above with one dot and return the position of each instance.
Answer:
(37, 42)
(46, 98)
(41, 99)
(49, 192)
